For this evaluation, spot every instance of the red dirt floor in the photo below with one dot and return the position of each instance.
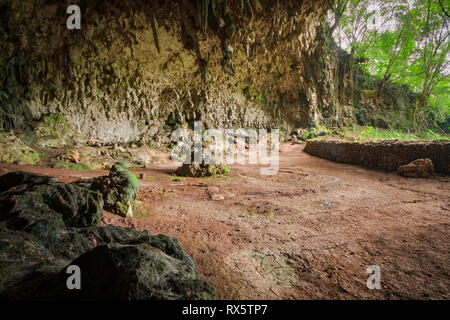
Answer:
(308, 232)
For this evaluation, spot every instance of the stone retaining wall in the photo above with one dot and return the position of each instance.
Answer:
(387, 155)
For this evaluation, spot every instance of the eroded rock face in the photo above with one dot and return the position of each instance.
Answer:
(119, 84)
(420, 168)
(119, 189)
(46, 225)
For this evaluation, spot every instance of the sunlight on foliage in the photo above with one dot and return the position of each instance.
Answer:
(404, 42)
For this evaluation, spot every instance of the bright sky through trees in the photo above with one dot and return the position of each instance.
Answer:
(401, 41)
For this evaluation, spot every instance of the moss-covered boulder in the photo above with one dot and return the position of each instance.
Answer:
(301, 134)
(119, 189)
(198, 170)
(29, 197)
(36, 213)
(111, 271)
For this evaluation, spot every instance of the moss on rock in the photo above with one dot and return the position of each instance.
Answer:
(52, 131)
(196, 170)
(53, 125)
(119, 189)
(14, 150)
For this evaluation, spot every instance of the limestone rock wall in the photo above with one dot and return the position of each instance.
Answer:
(112, 84)
(138, 69)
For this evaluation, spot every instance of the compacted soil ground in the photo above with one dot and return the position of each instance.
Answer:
(308, 232)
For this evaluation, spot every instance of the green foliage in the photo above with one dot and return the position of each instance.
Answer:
(404, 42)
(438, 109)
(73, 166)
(379, 134)
(369, 133)
(430, 135)
(252, 94)
(318, 131)
(176, 178)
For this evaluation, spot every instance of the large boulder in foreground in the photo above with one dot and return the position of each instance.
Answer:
(119, 189)
(420, 168)
(26, 199)
(46, 226)
(148, 269)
